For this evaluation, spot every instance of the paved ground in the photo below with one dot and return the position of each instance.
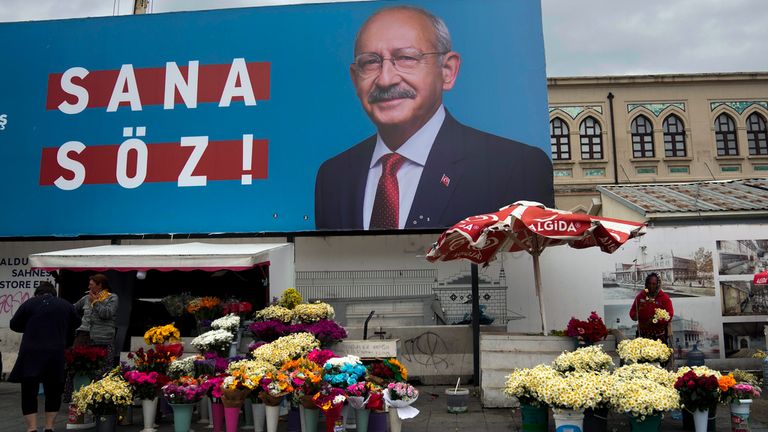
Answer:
(433, 417)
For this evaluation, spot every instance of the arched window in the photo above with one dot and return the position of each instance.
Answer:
(674, 137)
(725, 136)
(757, 141)
(558, 138)
(642, 137)
(590, 139)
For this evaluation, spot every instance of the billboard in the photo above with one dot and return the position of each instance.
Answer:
(266, 119)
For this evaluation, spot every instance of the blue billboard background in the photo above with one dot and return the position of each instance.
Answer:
(312, 112)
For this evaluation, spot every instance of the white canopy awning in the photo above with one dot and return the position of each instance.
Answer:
(180, 256)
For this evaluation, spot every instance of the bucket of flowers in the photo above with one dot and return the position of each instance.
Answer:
(382, 372)
(83, 361)
(237, 307)
(698, 392)
(569, 395)
(344, 371)
(205, 310)
(215, 341)
(162, 334)
(182, 394)
(313, 312)
(399, 396)
(230, 323)
(643, 399)
(104, 397)
(306, 378)
(643, 350)
(587, 332)
(331, 400)
(184, 390)
(738, 389)
(274, 313)
(274, 385)
(183, 367)
(286, 348)
(590, 358)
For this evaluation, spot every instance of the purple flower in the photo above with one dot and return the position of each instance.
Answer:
(268, 331)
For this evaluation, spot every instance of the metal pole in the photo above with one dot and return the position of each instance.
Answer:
(613, 141)
(475, 325)
(537, 280)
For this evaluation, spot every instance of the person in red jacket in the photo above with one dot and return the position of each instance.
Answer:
(644, 308)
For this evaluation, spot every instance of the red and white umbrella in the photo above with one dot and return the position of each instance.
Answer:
(531, 227)
(761, 278)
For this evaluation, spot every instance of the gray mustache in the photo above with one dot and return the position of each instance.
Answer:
(389, 93)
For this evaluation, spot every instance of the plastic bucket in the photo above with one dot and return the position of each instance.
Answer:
(457, 400)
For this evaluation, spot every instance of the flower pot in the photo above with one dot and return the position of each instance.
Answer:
(182, 417)
(649, 424)
(217, 416)
(148, 412)
(204, 408)
(362, 417)
(395, 423)
(294, 420)
(377, 422)
(80, 380)
(272, 414)
(596, 420)
(740, 415)
(231, 418)
(457, 400)
(311, 418)
(248, 413)
(106, 423)
(534, 418)
(258, 416)
(568, 419)
(700, 418)
(125, 416)
(711, 421)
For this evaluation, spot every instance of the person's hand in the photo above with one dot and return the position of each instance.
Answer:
(93, 296)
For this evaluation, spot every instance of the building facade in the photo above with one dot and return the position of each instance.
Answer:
(655, 129)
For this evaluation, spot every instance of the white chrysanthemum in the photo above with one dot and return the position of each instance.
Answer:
(274, 312)
(312, 312)
(643, 350)
(214, 340)
(229, 323)
(286, 348)
(642, 397)
(591, 358)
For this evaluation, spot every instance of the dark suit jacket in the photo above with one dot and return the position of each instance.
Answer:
(48, 324)
(486, 172)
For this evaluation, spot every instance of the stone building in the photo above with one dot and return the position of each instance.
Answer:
(655, 129)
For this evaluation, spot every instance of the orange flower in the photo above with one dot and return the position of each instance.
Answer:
(726, 382)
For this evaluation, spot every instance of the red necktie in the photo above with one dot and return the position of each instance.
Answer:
(386, 206)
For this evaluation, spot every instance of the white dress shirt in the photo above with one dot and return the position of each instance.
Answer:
(415, 150)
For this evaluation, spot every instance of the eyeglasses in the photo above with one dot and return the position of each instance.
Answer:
(406, 61)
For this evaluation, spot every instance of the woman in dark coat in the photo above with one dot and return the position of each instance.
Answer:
(48, 324)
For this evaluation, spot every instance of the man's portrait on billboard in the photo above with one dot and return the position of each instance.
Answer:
(422, 168)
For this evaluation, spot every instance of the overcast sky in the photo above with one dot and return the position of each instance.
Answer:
(582, 37)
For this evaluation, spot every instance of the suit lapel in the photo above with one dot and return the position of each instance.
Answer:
(359, 177)
(441, 174)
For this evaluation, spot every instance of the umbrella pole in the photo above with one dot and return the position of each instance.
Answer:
(475, 324)
(537, 280)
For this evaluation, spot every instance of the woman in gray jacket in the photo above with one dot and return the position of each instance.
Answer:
(98, 309)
